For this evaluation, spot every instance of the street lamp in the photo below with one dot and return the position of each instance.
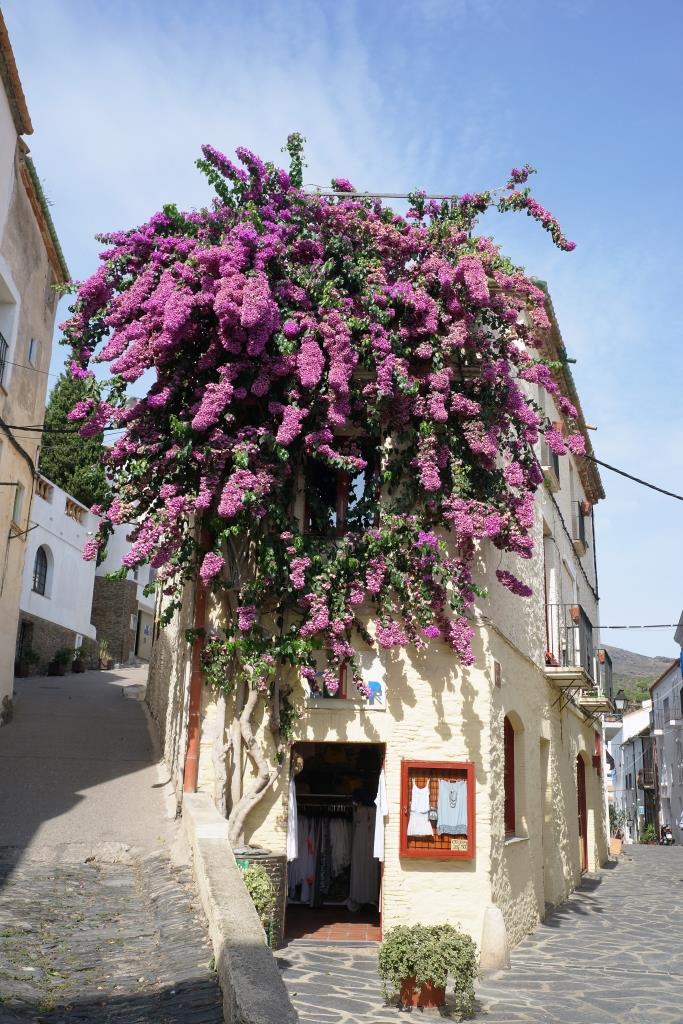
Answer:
(620, 700)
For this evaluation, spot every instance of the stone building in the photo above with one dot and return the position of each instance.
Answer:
(31, 263)
(516, 738)
(57, 591)
(121, 610)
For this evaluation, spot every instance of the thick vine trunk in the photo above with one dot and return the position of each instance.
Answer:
(266, 772)
(219, 752)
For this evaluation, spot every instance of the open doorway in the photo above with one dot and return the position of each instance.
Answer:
(583, 812)
(334, 882)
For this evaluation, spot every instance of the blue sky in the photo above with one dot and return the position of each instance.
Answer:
(446, 95)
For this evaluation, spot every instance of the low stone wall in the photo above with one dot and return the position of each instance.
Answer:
(253, 990)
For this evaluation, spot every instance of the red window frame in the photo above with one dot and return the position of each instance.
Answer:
(343, 479)
(437, 847)
(509, 777)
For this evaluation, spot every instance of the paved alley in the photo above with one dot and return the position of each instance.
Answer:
(613, 954)
(95, 923)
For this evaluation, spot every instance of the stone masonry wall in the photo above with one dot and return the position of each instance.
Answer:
(113, 604)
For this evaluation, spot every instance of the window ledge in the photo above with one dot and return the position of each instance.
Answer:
(511, 840)
(335, 703)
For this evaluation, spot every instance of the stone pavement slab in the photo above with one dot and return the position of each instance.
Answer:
(96, 925)
(612, 954)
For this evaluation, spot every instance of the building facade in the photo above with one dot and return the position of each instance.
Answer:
(667, 723)
(31, 263)
(57, 589)
(122, 612)
(631, 747)
(513, 741)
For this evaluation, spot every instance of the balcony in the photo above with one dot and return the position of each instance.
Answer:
(645, 779)
(550, 464)
(594, 702)
(4, 351)
(603, 673)
(667, 713)
(569, 657)
(579, 529)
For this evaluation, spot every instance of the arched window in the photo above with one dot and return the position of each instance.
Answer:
(509, 776)
(40, 571)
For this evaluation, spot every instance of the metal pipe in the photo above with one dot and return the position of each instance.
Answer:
(191, 768)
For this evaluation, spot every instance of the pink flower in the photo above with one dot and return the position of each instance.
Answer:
(246, 617)
(576, 443)
(514, 585)
(211, 566)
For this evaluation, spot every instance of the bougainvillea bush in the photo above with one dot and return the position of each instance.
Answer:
(337, 417)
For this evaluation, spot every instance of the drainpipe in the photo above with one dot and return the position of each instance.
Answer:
(191, 769)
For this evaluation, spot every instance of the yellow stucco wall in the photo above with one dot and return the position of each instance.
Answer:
(438, 710)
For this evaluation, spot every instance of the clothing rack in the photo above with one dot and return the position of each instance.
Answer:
(324, 804)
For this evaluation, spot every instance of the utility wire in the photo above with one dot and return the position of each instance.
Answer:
(636, 479)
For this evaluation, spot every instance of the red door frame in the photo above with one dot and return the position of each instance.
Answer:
(583, 812)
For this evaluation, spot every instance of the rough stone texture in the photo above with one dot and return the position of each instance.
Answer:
(48, 637)
(113, 603)
(275, 867)
(103, 942)
(253, 991)
(612, 953)
(95, 924)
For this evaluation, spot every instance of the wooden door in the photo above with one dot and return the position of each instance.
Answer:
(583, 813)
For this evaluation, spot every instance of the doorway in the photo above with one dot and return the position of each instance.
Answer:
(583, 812)
(334, 883)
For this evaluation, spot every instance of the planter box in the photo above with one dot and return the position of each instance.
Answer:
(78, 666)
(615, 846)
(428, 996)
(56, 668)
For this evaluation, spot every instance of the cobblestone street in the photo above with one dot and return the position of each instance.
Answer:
(613, 954)
(95, 923)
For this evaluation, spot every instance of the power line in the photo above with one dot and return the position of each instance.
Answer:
(27, 366)
(636, 479)
(656, 625)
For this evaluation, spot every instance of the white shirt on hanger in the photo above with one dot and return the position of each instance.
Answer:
(382, 811)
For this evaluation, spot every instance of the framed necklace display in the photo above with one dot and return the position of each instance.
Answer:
(437, 809)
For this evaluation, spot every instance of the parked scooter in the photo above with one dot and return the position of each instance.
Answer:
(666, 837)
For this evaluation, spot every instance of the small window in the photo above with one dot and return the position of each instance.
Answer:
(667, 710)
(40, 571)
(509, 776)
(339, 502)
(18, 504)
(33, 352)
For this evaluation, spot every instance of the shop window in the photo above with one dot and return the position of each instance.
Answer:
(509, 776)
(437, 809)
(338, 502)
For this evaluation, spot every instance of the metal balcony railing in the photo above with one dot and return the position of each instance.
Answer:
(646, 779)
(4, 350)
(668, 711)
(570, 638)
(603, 673)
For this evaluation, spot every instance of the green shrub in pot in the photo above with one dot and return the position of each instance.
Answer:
(430, 954)
(261, 890)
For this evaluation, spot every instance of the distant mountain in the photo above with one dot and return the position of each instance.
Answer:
(634, 672)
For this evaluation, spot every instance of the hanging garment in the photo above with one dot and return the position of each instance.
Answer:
(308, 858)
(452, 808)
(340, 843)
(418, 823)
(292, 824)
(382, 809)
(364, 884)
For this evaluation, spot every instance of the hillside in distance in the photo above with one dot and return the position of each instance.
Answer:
(634, 672)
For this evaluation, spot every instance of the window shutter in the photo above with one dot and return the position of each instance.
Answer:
(509, 776)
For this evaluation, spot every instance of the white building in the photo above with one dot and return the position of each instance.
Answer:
(667, 701)
(634, 785)
(57, 586)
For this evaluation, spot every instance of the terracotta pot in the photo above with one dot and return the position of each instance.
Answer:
(615, 846)
(427, 996)
(574, 612)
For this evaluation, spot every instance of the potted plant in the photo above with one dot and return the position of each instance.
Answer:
(60, 659)
(28, 659)
(416, 961)
(104, 653)
(648, 835)
(77, 665)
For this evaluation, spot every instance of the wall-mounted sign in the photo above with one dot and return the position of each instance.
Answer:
(371, 670)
